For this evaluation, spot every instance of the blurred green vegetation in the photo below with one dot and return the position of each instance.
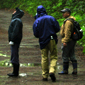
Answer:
(53, 8)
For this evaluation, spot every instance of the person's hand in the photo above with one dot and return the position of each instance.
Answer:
(11, 43)
(64, 44)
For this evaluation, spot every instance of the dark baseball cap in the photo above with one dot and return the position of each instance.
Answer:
(66, 10)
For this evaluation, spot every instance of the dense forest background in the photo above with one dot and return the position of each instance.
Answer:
(53, 8)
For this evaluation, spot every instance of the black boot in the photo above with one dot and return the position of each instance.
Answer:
(65, 68)
(74, 63)
(45, 79)
(15, 72)
(53, 78)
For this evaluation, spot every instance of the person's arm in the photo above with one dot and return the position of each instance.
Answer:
(10, 33)
(56, 25)
(68, 31)
(61, 31)
(35, 29)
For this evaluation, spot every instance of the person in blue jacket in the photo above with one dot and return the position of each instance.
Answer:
(45, 28)
(15, 37)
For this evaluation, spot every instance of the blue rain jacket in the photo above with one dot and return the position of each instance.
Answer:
(44, 27)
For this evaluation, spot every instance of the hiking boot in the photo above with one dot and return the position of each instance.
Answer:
(74, 73)
(45, 79)
(12, 75)
(63, 72)
(74, 63)
(65, 68)
(53, 78)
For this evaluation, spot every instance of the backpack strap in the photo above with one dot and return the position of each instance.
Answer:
(70, 19)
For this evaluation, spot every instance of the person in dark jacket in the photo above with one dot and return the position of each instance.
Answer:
(45, 28)
(15, 37)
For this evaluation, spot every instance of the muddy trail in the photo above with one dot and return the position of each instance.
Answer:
(30, 57)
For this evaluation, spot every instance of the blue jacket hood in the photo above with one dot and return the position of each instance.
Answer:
(40, 11)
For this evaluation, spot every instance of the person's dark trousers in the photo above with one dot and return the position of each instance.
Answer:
(68, 53)
(74, 63)
(15, 53)
(65, 68)
(15, 60)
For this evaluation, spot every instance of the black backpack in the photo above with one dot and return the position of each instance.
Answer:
(77, 33)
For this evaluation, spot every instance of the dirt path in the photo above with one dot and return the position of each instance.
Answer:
(30, 69)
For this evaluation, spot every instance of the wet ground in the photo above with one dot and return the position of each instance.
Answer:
(30, 68)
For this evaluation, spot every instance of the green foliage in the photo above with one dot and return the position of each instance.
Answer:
(53, 8)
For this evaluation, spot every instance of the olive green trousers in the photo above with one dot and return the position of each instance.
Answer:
(49, 59)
